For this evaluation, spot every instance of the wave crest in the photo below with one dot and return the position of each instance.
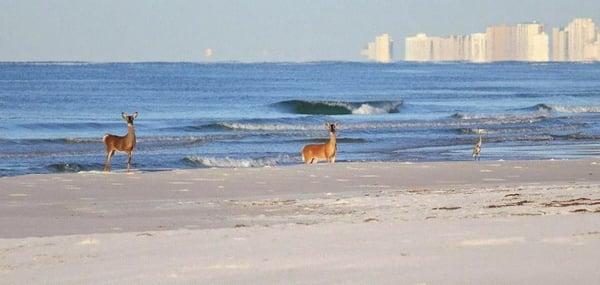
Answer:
(563, 108)
(339, 107)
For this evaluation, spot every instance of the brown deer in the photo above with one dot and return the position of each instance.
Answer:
(124, 143)
(313, 152)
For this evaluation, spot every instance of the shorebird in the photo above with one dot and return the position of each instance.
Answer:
(477, 149)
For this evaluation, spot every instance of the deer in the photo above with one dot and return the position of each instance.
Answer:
(313, 152)
(124, 143)
(477, 148)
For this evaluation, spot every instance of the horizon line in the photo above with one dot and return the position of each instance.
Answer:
(74, 62)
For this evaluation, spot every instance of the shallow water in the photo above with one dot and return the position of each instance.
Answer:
(53, 115)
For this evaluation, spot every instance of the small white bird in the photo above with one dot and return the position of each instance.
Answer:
(477, 149)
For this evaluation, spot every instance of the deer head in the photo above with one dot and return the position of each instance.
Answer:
(129, 118)
(331, 127)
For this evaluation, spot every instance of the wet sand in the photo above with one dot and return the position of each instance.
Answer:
(388, 223)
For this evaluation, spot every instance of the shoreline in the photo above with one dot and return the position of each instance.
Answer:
(384, 223)
(118, 169)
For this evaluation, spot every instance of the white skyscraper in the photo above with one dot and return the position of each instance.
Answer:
(559, 45)
(478, 47)
(369, 51)
(578, 41)
(453, 48)
(532, 42)
(581, 32)
(380, 50)
(418, 48)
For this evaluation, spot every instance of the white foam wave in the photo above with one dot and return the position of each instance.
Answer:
(575, 109)
(272, 127)
(366, 109)
(227, 162)
(464, 121)
(502, 118)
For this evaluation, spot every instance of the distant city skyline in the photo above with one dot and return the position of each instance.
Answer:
(579, 41)
(520, 42)
(250, 31)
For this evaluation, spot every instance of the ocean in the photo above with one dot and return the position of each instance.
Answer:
(53, 115)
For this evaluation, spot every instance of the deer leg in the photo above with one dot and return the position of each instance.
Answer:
(332, 160)
(313, 160)
(129, 155)
(106, 161)
(109, 155)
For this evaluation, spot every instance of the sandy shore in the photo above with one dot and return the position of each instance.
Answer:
(517, 222)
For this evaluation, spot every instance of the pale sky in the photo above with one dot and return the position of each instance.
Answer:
(249, 30)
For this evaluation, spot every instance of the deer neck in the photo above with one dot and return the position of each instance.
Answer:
(332, 139)
(130, 131)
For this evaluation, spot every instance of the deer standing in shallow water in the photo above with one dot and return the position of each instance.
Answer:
(124, 143)
(313, 152)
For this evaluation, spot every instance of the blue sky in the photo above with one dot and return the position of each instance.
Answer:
(252, 30)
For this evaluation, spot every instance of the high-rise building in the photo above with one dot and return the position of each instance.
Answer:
(578, 41)
(532, 42)
(381, 50)
(383, 46)
(559, 45)
(369, 51)
(424, 48)
(478, 50)
(501, 43)
(581, 32)
(418, 48)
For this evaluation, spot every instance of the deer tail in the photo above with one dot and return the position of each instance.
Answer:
(104, 137)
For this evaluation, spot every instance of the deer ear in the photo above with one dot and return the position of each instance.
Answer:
(327, 125)
(135, 115)
(124, 115)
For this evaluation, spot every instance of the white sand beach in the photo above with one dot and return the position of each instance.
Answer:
(490, 222)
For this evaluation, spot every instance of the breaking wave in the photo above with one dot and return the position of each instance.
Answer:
(339, 107)
(501, 118)
(227, 162)
(563, 108)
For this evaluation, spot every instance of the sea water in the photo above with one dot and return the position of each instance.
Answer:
(53, 115)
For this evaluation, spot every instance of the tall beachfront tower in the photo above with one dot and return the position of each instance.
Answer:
(532, 42)
(424, 48)
(578, 41)
(418, 48)
(478, 47)
(381, 50)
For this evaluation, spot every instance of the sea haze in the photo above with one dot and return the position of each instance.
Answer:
(53, 115)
